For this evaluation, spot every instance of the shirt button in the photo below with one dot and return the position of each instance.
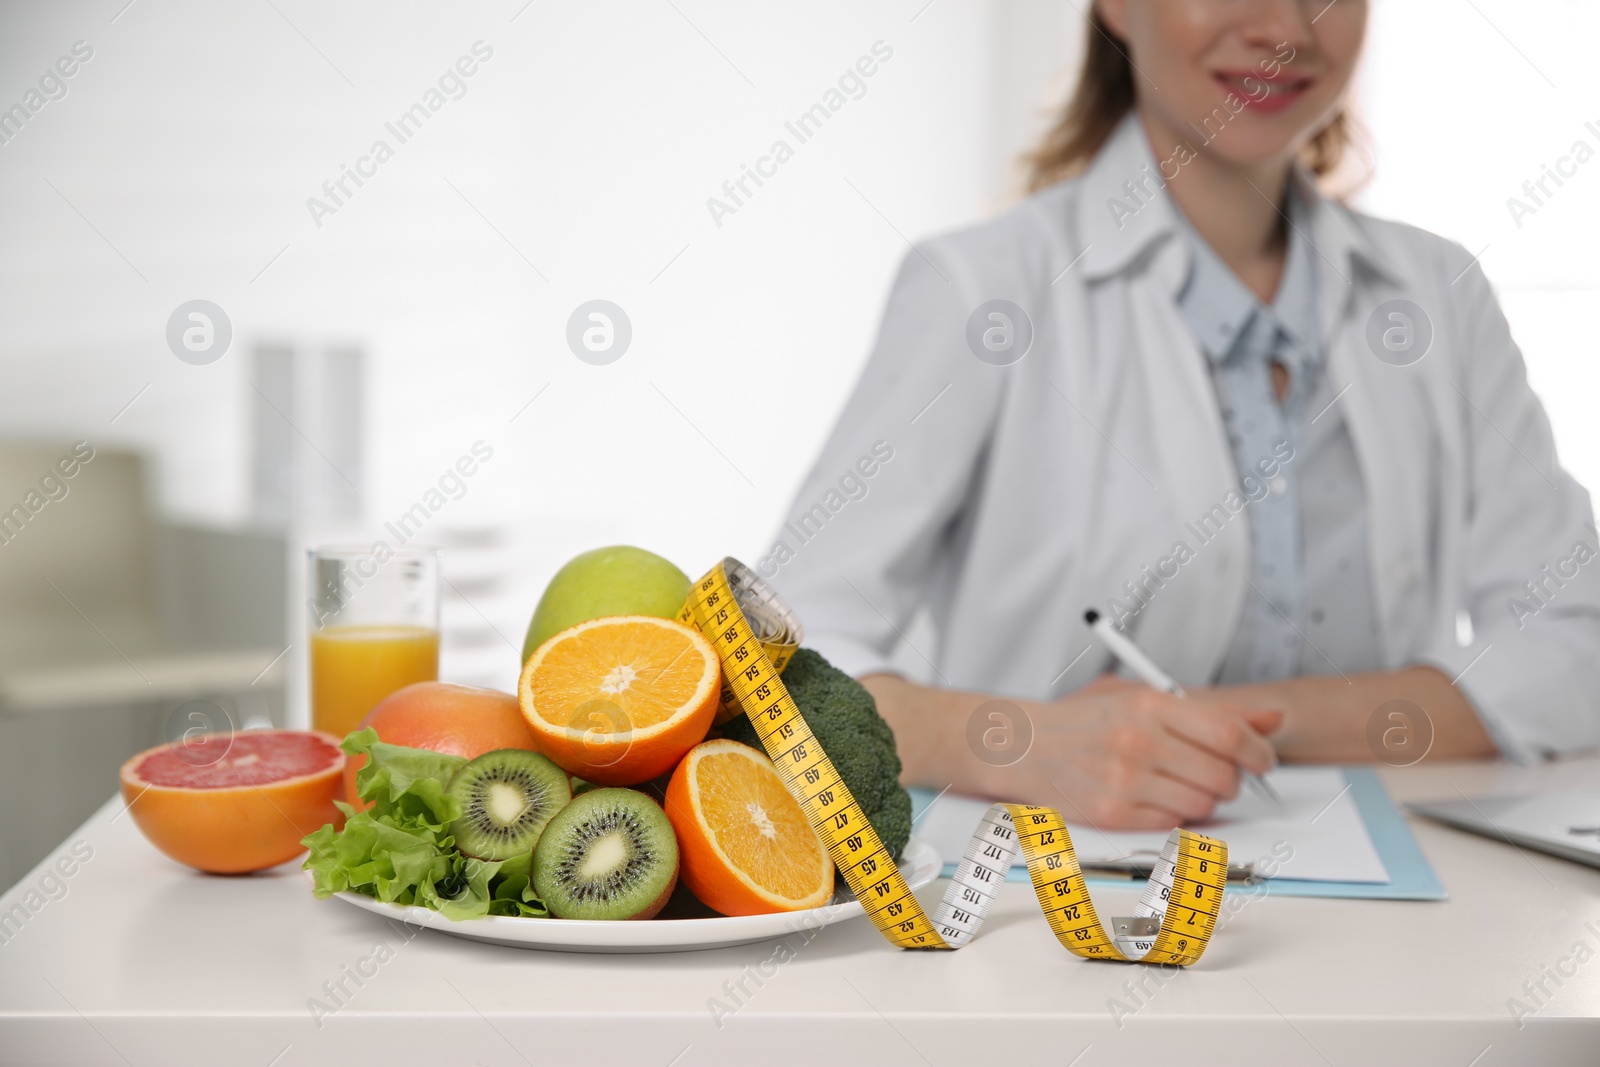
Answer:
(1278, 484)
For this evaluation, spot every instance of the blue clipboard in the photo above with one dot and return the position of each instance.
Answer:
(1411, 877)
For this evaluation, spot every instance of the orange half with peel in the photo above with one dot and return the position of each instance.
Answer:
(618, 700)
(745, 846)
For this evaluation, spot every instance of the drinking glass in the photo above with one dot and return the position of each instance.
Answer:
(374, 628)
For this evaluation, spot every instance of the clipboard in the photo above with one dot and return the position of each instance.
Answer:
(1411, 877)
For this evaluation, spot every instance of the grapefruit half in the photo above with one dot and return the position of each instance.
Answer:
(233, 803)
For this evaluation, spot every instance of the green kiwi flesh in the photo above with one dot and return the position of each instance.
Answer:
(507, 797)
(610, 854)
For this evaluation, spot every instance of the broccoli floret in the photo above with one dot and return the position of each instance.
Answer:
(845, 719)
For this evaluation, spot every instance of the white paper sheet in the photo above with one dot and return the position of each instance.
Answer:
(1319, 822)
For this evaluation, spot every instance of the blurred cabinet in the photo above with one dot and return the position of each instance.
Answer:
(117, 633)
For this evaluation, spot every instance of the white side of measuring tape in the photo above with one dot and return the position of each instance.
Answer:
(988, 858)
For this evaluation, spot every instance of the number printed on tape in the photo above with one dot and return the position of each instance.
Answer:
(731, 606)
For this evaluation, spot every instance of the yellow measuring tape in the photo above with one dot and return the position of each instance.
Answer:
(755, 634)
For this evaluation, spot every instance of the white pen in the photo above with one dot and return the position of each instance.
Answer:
(1138, 661)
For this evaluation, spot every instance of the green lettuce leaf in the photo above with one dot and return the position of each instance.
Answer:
(400, 850)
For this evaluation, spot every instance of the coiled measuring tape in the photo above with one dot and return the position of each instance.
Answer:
(755, 633)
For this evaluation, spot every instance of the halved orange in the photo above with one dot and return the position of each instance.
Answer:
(745, 846)
(618, 700)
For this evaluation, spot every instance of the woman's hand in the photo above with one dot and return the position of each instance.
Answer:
(1114, 754)
(1128, 757)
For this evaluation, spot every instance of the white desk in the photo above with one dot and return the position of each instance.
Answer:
(141, 961)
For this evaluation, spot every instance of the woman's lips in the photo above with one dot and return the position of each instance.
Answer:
(1261, 93)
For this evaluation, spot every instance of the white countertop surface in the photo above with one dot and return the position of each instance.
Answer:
(136, 960)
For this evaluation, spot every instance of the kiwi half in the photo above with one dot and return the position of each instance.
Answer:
(507, 797)
(610, 854)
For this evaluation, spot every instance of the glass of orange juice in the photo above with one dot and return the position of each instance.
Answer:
(374, 628)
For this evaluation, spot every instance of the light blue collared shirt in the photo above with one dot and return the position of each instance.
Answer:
(1309, 607)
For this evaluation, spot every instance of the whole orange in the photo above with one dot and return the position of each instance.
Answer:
(233, 803)
(459, 720)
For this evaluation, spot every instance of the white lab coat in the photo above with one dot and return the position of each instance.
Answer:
(1016, 496)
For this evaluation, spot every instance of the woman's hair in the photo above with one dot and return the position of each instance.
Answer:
(1105, 93)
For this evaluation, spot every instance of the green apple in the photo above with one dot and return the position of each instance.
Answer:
(617, 580)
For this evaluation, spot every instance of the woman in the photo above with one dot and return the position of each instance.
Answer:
(1289, 447)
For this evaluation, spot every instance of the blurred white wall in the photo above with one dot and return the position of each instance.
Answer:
(1466, 102)
(590, 141)
(576, 165)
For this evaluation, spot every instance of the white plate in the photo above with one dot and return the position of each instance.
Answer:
(920, 865)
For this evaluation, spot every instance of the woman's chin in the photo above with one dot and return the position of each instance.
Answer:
(1264, 146)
